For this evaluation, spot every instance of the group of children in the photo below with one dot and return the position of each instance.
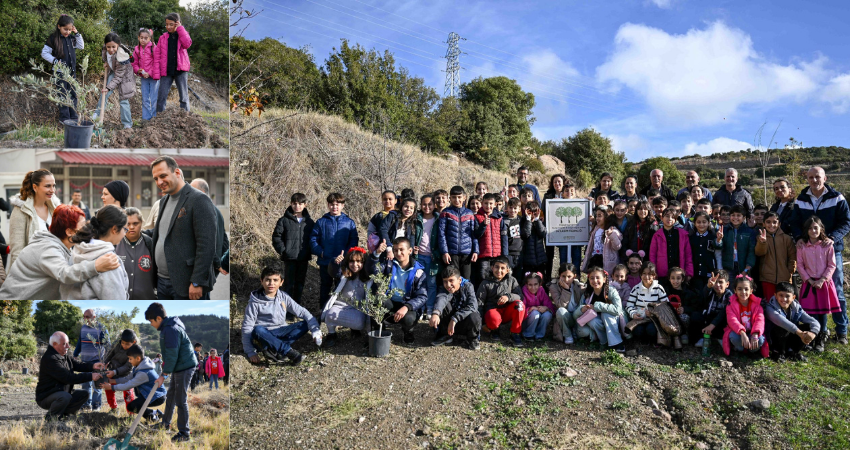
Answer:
(672, 273)
(158, 65)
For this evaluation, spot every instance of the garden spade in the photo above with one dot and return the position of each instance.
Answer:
(115, 444)
(103, 99)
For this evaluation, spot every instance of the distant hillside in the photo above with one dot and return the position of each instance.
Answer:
(209, 330)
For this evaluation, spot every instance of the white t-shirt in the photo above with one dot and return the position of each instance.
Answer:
(425, 242)
(44, 224)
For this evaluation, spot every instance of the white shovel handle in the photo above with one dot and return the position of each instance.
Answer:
(141, 412)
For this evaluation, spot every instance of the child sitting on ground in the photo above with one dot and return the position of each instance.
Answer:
(744, 320)
(407, 278)
(605, 303)
(456, 311)
(342, 308)
(565, 293)
(681, 298)
(641, 296)
(788, 328)
(538, 307)
(265, 321)
(141, 380)
(501, 297)
(619, 282)
(634, 263)
(710, 317)
(118, 363)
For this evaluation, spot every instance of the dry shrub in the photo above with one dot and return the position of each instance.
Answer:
(293, 151)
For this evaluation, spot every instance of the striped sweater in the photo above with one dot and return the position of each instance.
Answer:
(641, 296)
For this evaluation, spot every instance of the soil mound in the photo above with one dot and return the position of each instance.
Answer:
(171, 128)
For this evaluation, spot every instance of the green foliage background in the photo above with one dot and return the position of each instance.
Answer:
(211, 331)
(16, 326)
(55, 315)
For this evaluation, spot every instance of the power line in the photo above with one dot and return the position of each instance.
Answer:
(452, 66)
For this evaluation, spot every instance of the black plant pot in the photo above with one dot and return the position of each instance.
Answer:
(78, 136)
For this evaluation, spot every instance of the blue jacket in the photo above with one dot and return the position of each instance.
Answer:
(746, 239)
(415, 293)
(457, 232)
(331, 236)
(832, 211)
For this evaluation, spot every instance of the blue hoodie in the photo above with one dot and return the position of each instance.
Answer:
(142, 380)
(331, 236)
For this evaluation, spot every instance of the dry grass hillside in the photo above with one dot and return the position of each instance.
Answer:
(290, 151)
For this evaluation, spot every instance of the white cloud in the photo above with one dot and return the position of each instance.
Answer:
(837, 93)
(704, 76)
(718, 145)
(663, 4)
(630, 144)
(547, 62)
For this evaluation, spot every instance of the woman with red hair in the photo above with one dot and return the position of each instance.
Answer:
(43, 265)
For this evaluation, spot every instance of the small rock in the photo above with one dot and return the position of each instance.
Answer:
(760, 404)
(569, 372)
(322, 363)
(510, 363)
(726, 364)
(651, 403)
(480, 428)
(701, 446)
(631, 352)
(663, 414)
(425, 431)
(361, 419)
(297, 442)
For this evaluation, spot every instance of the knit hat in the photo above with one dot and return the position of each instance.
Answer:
(119, 190)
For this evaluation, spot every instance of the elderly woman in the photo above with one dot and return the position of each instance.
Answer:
(43, 266)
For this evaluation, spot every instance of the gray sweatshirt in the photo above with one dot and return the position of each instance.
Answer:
(261, 311)
(777, 316)
(111, 285)
(131, 381)
(41, 268)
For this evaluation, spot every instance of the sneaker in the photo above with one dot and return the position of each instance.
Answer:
(272, 355)
(841, 338)
(798, 357)
(330, 340)
(684, 339)
(409, 338)
(294, 356)
(180, 437)
(474, 344)
(113, 411)
(699, 343)
(445, 339)
(619, 348)
(569, 339)
(494, 336)
(517, 340)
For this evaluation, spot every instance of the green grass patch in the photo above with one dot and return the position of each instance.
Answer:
(32, 131)
(695, 365)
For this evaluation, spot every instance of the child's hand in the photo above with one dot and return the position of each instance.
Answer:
(74, 29)
(451, 330)
(435, 321)
(503, 299)
(762, 236)
(561, 283)
(383, 247)
(110, 374)
(104, 90)
(584, 308)
(745, 340)
(806, 336)
(474, 257)
(720, 234)
(712, 280)
(708, 329)
(754, 342)
(542, 309)
(338, 259)
(254, 359)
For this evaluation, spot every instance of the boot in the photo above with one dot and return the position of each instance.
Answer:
(663, 338)
(677, 342)
(819, 342)
(294, 356)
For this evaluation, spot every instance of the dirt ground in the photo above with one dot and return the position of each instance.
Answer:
(546, 395)
(204, 126)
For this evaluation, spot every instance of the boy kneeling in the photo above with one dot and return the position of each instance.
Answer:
(265, 321)
(456, 304)
(142, 380)
(788, 328)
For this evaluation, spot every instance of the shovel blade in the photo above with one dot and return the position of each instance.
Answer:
(115, 444)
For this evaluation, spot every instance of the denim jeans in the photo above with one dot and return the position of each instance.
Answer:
(177, 396)
(95, 400)
(840, 318)
(150, 91)
(214, 378)
(182, 82)
(535, 324)
(605, 328)
(165, 291)
(735, 340)
(280, 339)
(430, 283)
(126, 118)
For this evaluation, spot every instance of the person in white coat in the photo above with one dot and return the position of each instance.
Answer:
(33, 210)
(95, 239)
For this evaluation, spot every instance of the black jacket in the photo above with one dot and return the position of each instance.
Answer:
(56, 373)
(291, 239)
(785, 217)
(191, 243)
(739, 196)
(222, 243)
(664, 191)
(533, 234)
(463, 302)
(631, 240)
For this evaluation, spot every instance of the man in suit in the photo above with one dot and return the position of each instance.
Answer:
(222, 243)
(186, 227)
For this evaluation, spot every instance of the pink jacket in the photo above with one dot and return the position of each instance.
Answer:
(610, 250)
(144, 59)
(658, 252)
(161, 51)
(540, 299)
(734, 325)
(815, 261)
(219, 365)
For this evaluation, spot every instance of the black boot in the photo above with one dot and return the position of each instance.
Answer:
(330, 340)
(294, 356)
(820, 340)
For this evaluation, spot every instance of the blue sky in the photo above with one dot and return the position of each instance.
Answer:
(172, 307)
(659, 77)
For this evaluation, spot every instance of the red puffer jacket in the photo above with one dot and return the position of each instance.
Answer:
(493, 239)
